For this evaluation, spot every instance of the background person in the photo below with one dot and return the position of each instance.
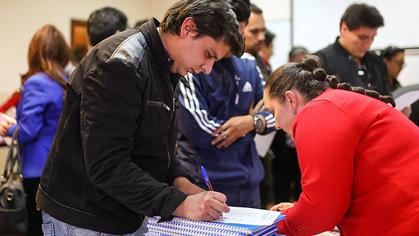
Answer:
(217, 124)
(38, 111)
(267, 50)
(349, 57)
(105, 22)
(254, 35)
(393, 57)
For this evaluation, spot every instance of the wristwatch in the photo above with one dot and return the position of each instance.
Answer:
(258, 123)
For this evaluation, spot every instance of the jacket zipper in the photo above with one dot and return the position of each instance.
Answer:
(172, 92)
(167, 108)
(160, 104)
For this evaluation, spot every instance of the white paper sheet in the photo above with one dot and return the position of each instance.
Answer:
(406, 99)
(249, 216)
(263, 143)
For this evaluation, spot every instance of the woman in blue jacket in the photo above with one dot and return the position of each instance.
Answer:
(39, 110)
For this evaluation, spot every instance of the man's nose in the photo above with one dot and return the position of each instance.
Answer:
(207, 66)
(261, 36)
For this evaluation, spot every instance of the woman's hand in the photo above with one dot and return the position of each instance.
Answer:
(282, 206)
(5, 123)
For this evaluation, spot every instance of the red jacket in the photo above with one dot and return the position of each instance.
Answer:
(359, 160)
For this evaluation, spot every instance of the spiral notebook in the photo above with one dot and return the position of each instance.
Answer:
(239, 221)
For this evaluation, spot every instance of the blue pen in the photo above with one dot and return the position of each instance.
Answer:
(206, 178)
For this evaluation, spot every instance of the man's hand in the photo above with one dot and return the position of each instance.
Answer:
(232, 129)
(184, 185)
(205, 206)
(260, 106)
(407, 111)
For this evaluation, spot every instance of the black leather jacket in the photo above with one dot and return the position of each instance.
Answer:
(112, 155)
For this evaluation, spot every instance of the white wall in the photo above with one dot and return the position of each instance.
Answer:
(277, 18)
(19, 19)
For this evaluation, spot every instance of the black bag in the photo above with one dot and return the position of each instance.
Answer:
(13, 215)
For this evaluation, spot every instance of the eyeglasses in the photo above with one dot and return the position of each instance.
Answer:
(399, 63)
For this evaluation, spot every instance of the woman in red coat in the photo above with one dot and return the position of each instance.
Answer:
(359, 157)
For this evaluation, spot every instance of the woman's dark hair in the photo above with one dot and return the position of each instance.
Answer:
(212, 17)
(362, 15)
(48, 53)
(241, 8)
(310, 80)
(297, 51)
(390, 51)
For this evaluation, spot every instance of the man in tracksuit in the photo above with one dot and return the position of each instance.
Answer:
(112, 161)
(217, 124)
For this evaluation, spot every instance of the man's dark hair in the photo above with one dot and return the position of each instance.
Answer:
(255, 9)
(269, 37)
(105, 22)
(362, 15)
(242, 9)
(212, 17)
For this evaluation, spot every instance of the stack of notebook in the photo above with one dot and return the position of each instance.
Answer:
(239, 221)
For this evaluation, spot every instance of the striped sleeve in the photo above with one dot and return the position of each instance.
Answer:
(193, 118)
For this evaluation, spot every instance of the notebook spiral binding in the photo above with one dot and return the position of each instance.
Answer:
(179, 226)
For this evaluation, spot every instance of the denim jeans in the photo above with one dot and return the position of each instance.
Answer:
(54, 227)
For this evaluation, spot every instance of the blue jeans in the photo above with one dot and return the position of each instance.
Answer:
(54, 227)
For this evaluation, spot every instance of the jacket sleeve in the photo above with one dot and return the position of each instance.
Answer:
(194, 118)
(326, 141)
(32, 107)
(110, 108)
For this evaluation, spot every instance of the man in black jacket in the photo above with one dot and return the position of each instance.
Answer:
(349, 58)
(112, 161)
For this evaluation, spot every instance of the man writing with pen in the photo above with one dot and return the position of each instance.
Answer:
(217, 122)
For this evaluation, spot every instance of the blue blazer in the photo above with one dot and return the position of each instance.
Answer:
(37, 117)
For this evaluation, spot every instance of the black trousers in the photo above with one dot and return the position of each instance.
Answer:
(285, 170)
(34, 216)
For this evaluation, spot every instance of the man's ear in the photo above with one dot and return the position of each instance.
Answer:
(343, 27)
(188, 28)
(292, 101)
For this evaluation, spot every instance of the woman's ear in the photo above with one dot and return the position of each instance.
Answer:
(292, 101)
(188, 28)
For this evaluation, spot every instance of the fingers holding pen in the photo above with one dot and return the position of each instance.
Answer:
(203, 206)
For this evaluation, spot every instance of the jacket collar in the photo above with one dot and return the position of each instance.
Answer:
(340, 48)
(158, 50)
